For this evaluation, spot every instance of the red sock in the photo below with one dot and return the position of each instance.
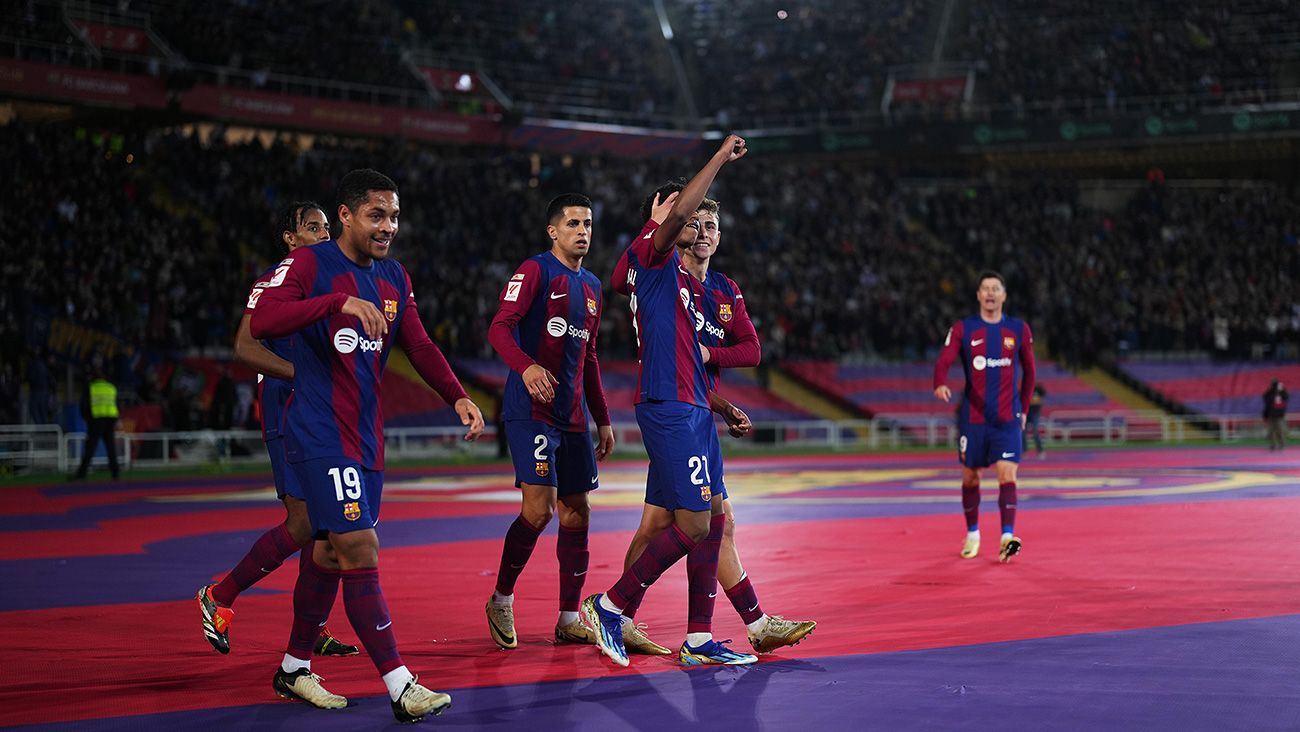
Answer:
(521, 537)
(1007, 506)
(633, 605)
(745, 600)
(970, 504)
(702, 578)
(662, 552)
(267, 554)
(313, 597)
(368, 613)
(571, 550)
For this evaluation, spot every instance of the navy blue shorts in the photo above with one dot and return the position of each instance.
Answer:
(342, 496)
(982, 445)
(685, 455)
(286, 482)
(546, 455)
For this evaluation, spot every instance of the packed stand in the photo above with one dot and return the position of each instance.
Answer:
(757, 65)
(1177, 269)
(1109, 55)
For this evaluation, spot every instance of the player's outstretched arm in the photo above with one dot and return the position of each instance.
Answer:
(732, 149)
(250, 352)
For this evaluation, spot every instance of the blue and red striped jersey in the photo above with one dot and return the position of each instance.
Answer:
(335, 410)
(550, 315)
(994, 356)
(728, 332)
(272, 393)
(666, 321)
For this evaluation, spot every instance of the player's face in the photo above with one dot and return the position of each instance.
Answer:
(571, 232)
(312, 229)
(991, 294)
(706, 238)
(370, 229)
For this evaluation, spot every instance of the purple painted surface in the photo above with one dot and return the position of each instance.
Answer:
(1212, 676)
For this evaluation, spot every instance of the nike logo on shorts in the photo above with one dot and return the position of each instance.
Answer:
(1008, 454)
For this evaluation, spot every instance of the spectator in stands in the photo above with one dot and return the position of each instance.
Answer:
(1275, 399)
(99, 410)
(1032, 426)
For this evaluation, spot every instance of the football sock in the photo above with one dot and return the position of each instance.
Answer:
(313, 597)
(266, 555)
(521, 537)
(364, 601)
(702, 578)
(396, 681)
(1007, 506)
(970, 504)
(571, 551)
(745, 600)
(662, 552)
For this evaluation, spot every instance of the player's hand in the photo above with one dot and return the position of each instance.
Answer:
(943, 393)
(733, 148)
(372, 321)
(738, 424)
(471, 417)
(604, 442)
(659, 210)
(540, 383)
(704, 353)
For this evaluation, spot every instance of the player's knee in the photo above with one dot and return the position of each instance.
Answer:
(539, 515)
(696, 533)
(299, 528)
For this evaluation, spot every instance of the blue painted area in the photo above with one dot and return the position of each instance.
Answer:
(1212, 676)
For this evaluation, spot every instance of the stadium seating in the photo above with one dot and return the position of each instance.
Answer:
(1211, 387)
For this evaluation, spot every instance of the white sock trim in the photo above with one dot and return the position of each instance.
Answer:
(757, 625)
(292, 663)
(501, 600)
(605, 603)
(396, 681)
(568, 617)
(695, 640)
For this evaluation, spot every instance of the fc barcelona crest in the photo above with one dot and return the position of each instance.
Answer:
(705, 493)
(724, 312)
(352, 511)
(390, 310)
(543, 469)
(591, 306)
(1009, 343)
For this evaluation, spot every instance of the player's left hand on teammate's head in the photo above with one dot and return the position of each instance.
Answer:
(471, 417)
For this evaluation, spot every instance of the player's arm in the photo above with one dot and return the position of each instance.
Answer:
(951, 348)
(738, 424)
(733, 148)
(594, 389)
(618, 281)
(515, 300)
(1028, 370)
(292, 310)
(744, 350)
(258, 357)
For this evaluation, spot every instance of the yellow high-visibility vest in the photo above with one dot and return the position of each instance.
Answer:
(103, 399)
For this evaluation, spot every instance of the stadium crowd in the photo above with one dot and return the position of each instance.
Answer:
(153, 240)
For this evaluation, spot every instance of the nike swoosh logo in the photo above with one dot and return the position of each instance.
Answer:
(558, 295)
(644, 584)
(384, 626)
(593, 480)
(752, 609)
(579, 574)
(713, 594)
(1008, 454)
(647, 236)
(264, 570)
(517, 566)
(976, 343)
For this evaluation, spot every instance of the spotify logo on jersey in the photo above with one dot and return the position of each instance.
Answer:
(557, 326)
(346, 341)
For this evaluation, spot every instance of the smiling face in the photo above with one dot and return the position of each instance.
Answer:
(700, 238)
(368, 231)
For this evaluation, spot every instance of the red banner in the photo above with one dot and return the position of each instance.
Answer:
(66, 83)
(114, 37)
(450, 80)
(927, 90)
(334, 116)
